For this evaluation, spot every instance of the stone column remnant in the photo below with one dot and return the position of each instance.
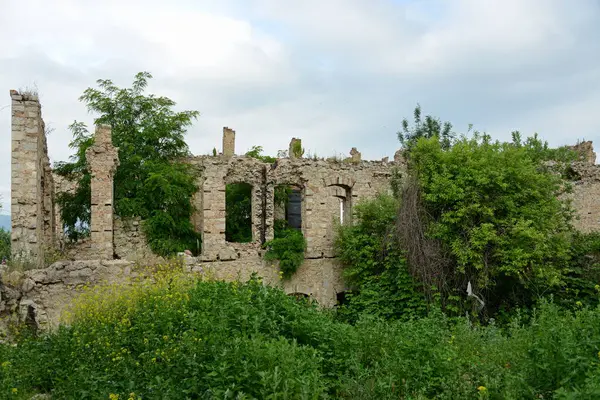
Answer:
(355, 154)
(296, 150)
(228, 142)
(585, 151)
(27, 171)
(399, 157)
(103, 159)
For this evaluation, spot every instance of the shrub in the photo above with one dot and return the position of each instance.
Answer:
(288, 247)
(179, 337)
(374, 266)
(496, 211)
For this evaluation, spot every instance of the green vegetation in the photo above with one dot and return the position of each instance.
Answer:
(470, 214)
(375, 265)
(4, 244)
(497, 216)
(288, 247)
(238, 213)
(152, 181)
(468, 282)
(180, 338)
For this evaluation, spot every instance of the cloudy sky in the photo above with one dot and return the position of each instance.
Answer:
(337, 73)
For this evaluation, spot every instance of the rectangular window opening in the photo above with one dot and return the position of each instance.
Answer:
(238, 213)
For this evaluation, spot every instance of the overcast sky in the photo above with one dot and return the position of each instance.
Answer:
(336, 73)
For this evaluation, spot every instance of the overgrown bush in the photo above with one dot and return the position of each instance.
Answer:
(496, 212)
(288, 247)
(581, 275)
(179, 338)
(375, 266)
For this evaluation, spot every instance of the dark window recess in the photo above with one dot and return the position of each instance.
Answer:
(294, 209)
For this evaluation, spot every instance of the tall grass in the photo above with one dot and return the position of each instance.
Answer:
(183, 338)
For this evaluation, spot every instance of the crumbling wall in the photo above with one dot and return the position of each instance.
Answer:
(130, 241)
(31, 182)
(586, 196)
(39, 297)
(585, 151)
(329, 190)
(324, 184)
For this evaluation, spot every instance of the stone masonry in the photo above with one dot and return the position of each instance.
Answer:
(325, 191)
(228, 142)
(31, 182)
(103, 159)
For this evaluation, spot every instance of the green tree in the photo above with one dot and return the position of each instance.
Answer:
(153, 180)
(425, 128)
(497, 212)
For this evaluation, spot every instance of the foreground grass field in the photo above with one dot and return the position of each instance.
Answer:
(188, 339)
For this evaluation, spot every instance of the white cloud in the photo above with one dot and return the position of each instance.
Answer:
(338, 74)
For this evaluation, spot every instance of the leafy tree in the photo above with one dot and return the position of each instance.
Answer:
(425, 128)
(497, 212)
(153, 181)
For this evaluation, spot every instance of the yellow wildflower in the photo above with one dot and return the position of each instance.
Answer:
(14, 390)
(482, 388)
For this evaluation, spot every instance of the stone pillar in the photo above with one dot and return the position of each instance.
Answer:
(27, 214)
(228, 142)
(296, 150)
(213, 209)
(355, 154)
(103, 160)
(270, 212)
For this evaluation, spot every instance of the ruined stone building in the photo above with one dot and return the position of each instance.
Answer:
(323, 195)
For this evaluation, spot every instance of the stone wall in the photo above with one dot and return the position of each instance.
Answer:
(40, 297)
(586, 196)
(324, 184)
(32, 208)
(130, 241)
